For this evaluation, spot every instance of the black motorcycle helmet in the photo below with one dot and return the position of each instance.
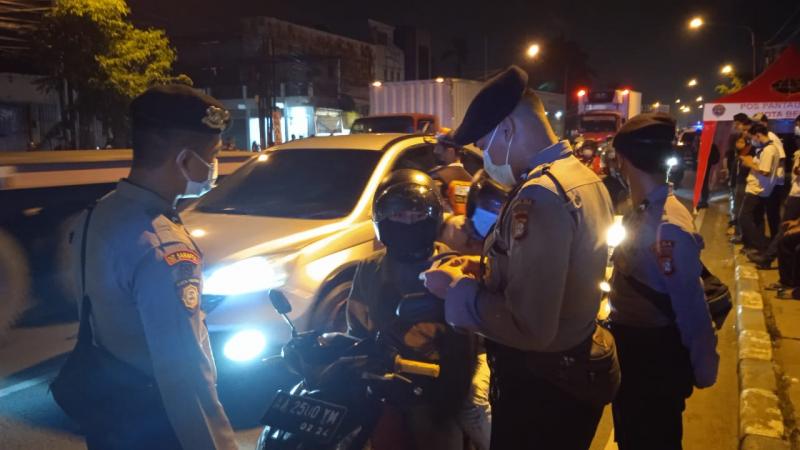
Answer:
(407, 213)
(485, 199)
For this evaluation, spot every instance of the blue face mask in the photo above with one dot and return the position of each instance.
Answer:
(482, 221)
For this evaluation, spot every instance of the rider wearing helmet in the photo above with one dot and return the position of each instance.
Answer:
(407, 214)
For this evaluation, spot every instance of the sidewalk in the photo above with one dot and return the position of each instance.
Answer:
(783, 324)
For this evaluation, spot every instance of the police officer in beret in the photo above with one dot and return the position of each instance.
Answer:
(659, 318)
(534, 294)
(144, 275)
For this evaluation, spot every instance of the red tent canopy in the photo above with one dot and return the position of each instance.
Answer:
(776, 92)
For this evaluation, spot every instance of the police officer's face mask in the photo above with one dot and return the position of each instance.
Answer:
(502, 173)
(197, 188)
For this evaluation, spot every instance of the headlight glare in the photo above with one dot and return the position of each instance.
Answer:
(246, 276)
(245, 345)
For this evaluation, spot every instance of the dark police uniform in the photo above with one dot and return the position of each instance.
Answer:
(144, 279)
(664, 334)
(539, 296)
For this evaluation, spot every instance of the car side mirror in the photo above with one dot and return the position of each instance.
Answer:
(280, 302)
(421, 307)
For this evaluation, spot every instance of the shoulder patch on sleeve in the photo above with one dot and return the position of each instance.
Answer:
(520, 216)
(182, 256)
(190, 295)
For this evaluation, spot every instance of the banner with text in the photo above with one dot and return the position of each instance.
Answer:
(721, 112)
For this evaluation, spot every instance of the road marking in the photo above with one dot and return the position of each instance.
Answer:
(22, 385)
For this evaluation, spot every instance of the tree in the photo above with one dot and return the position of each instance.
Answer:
(98, 62)
(735, 84)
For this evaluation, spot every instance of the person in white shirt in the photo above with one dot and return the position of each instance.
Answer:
(760, 184)
(775, 201)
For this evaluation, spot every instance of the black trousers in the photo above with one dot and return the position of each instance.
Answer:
(789, 260)
(751, 213)
(773, 209)
(529, 412)
(656, 380)
(791, 209)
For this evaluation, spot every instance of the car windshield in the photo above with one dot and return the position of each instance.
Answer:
(300, 184)
(389, 124)
(599, 124)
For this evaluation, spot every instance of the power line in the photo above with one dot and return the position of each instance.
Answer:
(783, 27)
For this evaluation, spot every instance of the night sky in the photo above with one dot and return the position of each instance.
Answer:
(642, 44)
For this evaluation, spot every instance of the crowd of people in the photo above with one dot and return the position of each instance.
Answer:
(765, 191)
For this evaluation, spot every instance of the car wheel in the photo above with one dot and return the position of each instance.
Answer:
(14, 282)
(330, 314)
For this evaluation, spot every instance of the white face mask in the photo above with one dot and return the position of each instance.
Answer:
(502, 173)
(198, 188)
(588, 153)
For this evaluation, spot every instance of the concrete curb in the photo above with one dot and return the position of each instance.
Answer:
(760, 418)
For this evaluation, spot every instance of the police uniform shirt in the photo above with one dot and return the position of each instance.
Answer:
(676, 273)
(768, 160)
(144, 279)
(544, 261)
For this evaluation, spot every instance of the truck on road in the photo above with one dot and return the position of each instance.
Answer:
(602, 113)
(445, 99)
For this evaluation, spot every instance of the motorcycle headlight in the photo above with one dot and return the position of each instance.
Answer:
(615, 234)
(248, 275)
(245, 345)
(672, 162)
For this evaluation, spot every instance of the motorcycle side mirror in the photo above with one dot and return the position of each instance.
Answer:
(280, 302)
(420, 307)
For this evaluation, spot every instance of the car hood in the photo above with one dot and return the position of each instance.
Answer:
(224, 237)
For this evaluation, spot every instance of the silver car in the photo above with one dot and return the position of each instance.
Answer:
(297, 218)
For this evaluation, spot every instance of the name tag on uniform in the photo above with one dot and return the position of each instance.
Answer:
(665, 261)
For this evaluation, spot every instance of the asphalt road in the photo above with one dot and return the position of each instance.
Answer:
(30, 356)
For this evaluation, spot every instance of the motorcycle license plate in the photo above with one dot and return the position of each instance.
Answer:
(310, 418)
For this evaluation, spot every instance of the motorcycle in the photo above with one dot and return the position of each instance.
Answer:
(344, 384)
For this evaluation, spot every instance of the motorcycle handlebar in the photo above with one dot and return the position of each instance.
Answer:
(416, 367)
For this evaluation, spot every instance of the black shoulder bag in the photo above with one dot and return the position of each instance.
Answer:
(93, 387)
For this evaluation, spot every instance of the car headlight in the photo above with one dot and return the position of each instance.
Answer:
(248, 275)
(672, 162)
(245, 345)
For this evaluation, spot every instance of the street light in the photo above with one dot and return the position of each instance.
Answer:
(692, 82)
(696, 23)
(656, 105)
(727, 69)
(677, 101)
(699, 99)
(533, 50)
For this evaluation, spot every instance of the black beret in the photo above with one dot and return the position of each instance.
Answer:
(177, 106)
(495, 101)
(645, 130)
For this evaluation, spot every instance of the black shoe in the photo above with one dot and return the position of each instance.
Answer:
(761, 261)
(735, 240)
